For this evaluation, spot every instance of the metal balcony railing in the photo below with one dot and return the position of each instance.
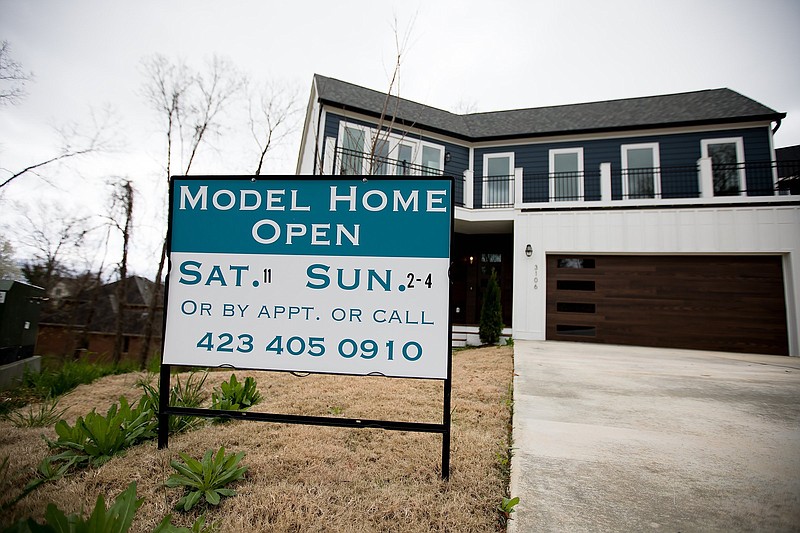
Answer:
(656, 182)
(362, 163)
(355, 163)
(761, 178)
(498, 191)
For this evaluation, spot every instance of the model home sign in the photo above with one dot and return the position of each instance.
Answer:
(329, 275)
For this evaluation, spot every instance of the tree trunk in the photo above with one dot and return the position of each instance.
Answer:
(144, 350)
(122, 285)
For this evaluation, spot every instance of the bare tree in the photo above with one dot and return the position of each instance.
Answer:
(121, 218)
(75, 142)
(12, 77)
(53, 238)
(270, 113)
(8, 266)
(377, 151)
(90, 279)
(465, 107)
(391, 103)
(190, 106)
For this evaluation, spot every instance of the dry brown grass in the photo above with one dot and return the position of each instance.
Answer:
(306, 478)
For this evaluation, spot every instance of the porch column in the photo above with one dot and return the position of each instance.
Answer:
(605, 182)
(518, 187)
(468, 189)
(706, 177)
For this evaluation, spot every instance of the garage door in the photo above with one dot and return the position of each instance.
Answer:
(725, 303)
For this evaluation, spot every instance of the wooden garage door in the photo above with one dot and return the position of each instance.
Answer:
(726, 303)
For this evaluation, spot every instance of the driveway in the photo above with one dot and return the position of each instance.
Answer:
(612, 438)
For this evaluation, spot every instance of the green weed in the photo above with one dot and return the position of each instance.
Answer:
(506, 507)
(96, 438)
(182, 394)
(116, 519)
(46, 415)
(206, 478)
(235, 396)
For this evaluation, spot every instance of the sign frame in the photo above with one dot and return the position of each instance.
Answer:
(165, 409)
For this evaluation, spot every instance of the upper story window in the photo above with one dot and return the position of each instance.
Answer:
(405, 158)
(640, 171)
(352, 141)
(566, 174)
(432, 159)
(498, 180)
(727, 158)
(363, 150)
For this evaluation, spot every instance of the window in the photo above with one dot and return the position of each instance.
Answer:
(432, 160)
(566, 174)
(575, 262)
(574, 285)
(575, 307)
(640, 171)
(393, 154)
(353, 142)
(576, 331)
(382, 165)
(727, 156)
(405, 158)
(498, 180)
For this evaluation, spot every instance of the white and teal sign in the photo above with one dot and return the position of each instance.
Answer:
(334, 275)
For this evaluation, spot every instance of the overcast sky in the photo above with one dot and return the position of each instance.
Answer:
(479, 55)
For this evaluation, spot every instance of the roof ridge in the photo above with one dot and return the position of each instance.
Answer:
(607, 101)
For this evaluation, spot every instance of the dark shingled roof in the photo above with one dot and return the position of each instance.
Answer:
(711, 106)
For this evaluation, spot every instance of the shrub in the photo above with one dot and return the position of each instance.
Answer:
(491, 324)
(67, 375)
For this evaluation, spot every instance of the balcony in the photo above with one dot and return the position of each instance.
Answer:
(354, 163)
(497, 191)
(605, 185)
(705, 181)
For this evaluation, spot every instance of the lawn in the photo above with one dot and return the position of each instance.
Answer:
(305, 478)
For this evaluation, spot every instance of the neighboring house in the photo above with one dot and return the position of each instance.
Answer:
(650, 221)
(86, 322)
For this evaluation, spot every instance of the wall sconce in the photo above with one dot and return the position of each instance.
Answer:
(447, 157)
(529, 250)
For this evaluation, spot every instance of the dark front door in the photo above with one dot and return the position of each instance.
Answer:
(474, 258)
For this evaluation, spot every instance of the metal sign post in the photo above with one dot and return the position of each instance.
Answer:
(331, 275)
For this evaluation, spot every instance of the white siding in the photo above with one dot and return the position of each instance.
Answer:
(723, 230)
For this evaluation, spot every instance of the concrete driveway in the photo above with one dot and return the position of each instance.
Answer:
(611, 438)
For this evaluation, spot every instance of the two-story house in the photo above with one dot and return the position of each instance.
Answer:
(654, 221)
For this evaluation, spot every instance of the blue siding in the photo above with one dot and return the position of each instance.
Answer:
(675, 150)
(679, 152)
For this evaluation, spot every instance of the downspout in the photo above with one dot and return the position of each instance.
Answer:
(777, 126)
